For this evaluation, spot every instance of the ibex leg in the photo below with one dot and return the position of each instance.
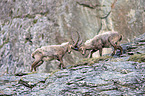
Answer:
(100, 51)
(61, 65)
(37, 60)
(121, 49)
(115, 48)
(38, 64)
(91, 53)
(113, 44)
(34, 64)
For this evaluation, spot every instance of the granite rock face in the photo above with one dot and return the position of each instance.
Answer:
(26, 25)
(103, 76)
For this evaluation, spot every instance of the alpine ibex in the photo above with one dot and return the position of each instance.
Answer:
(52, 52)
(101, 41)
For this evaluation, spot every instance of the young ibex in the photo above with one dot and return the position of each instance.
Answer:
(51, 52)
(101, 41)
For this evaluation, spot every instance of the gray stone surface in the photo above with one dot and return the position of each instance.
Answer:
(26, 25)
(29, 24)
(111, 77)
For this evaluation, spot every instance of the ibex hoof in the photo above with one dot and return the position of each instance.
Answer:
(62, 67)
(112, 54)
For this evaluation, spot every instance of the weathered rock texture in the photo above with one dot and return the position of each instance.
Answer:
(28, 24)
(103, 76)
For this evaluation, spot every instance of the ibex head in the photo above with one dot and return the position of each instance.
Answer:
(98, 42)
(79, 46)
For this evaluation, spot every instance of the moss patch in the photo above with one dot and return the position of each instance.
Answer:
(35, 21)
(95, 60)
(90, 61)
(137, 58)
(5, 42)
(25, 16)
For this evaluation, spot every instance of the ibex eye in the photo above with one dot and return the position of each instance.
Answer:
(76, 48)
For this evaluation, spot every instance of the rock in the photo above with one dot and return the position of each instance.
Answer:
(139, 52)
(142, 40)
(140, 43)
(137, 58)
(131, 47)
(123, 55)
(26, 83)
(21, 74)
(130, 53)
(104, 78)
(27, 24)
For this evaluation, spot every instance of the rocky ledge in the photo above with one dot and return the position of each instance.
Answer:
(118, 75)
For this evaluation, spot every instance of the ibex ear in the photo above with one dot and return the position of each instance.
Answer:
(69, 48)
(80, 49)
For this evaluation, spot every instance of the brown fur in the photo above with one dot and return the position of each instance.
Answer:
(50, 52)
(101, 41)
